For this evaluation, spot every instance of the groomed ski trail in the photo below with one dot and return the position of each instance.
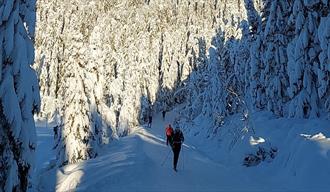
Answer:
(134, 163)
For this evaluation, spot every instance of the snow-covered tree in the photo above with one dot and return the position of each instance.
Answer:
(303, 60)
(19, 94)
(323, 74)
(275, 36)
(255, 76)
(82, 128)
(49, 52)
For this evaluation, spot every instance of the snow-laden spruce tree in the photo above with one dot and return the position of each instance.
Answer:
(19, 94)
(82, 126)
(49, 52)
(255, 77)
(214, 109)
(303, 59)
(275, 36)
(323, 74)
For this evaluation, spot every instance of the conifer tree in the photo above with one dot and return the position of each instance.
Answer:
(19, 94)
(303, 60)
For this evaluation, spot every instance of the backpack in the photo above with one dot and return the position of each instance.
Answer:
(169, 131)
(178, 136)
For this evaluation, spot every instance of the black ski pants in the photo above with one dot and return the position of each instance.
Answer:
(176, 151)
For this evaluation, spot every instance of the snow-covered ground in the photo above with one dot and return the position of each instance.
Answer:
(139, 162)
(44, 150)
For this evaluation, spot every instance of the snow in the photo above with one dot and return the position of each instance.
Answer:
(7, 8)
(19, 95)
(139, 162)
(11, 102)
(105, 75)
(310, 3)
(256, 140)
(9, 36)
(44, 150)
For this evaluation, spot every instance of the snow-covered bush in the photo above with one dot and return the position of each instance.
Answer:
(262, 154)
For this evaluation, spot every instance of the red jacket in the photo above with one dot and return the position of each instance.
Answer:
(169, 131)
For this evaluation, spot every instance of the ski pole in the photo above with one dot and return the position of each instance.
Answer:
(182, 158)
(168, 154)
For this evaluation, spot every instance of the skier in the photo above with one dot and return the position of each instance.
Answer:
(176, 146)
(150, 121)
(169, 134)
(164, 112)
(55, 129)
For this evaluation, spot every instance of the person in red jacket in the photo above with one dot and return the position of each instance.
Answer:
(169, 134)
